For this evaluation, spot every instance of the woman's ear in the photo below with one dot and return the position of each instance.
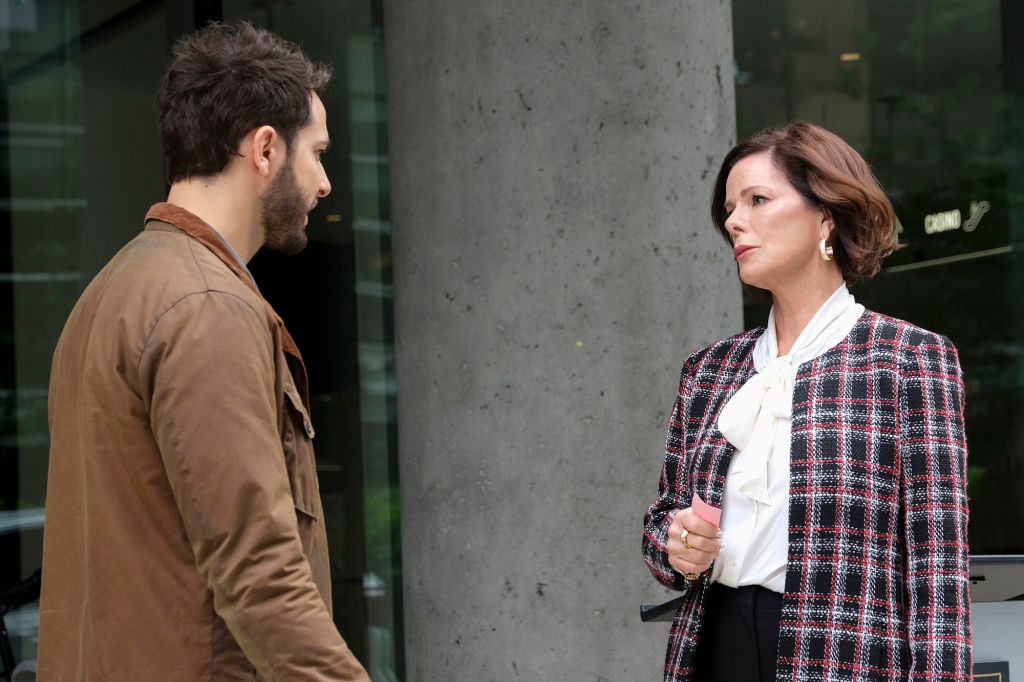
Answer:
(827, 225)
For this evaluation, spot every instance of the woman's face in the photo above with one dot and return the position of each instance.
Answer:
(775, 233)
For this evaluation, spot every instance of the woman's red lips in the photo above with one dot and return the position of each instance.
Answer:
(738, 251)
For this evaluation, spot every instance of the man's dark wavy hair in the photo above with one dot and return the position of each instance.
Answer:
(223, 82)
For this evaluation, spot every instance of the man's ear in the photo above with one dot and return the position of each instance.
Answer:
(264, 148)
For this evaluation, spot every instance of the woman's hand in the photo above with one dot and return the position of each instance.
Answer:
(702, 544)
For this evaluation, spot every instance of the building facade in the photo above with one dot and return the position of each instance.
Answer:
(514, 262)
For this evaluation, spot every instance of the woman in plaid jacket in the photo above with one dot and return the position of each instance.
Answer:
(831, 443)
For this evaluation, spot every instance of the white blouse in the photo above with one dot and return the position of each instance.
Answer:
(757, 421)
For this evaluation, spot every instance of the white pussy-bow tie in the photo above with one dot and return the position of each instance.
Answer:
(759, 405)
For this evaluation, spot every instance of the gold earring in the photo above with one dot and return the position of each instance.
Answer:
(826, 251)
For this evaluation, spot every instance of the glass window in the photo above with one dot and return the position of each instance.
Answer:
(81, 162)
(929, 92)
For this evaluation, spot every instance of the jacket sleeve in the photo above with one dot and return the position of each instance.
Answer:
(208, 379)
(933, 455)
(673, 489)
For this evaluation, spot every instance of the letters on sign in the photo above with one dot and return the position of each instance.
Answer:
(952, 220)
(942, 222)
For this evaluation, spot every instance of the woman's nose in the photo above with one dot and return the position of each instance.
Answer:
(735, 224)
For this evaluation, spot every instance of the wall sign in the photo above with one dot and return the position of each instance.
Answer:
(978, 209)
(952, 220)
(942, 222)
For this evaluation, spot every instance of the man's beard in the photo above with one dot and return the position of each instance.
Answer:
(283, 211)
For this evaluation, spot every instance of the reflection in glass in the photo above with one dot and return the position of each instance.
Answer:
(371, 229)
(929, 92)
(41, 201)
(80, 161)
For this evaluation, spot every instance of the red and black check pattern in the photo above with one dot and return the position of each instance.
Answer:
(877, 582)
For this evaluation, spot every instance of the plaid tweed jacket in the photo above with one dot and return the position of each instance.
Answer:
(877, 579)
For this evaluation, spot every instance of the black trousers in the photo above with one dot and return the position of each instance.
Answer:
(739, 636)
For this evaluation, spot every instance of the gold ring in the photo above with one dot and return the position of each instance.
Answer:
(682, 538)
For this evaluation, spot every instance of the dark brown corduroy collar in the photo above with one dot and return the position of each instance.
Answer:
(197, 228)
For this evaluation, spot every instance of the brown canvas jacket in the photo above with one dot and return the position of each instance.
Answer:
(184, 532)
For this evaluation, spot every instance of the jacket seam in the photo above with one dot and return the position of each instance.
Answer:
(216, 584)
(160, 317)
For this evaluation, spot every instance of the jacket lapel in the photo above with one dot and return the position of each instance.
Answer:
(711, 462)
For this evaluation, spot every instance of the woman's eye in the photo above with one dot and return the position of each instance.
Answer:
(758, 199)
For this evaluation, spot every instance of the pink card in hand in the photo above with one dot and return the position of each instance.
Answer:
(712, 515)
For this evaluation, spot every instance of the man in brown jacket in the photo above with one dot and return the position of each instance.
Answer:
(184, 532)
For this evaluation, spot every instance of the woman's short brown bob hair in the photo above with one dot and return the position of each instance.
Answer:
(832, 176)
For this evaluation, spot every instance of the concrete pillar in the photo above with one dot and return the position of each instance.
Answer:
(554, 263)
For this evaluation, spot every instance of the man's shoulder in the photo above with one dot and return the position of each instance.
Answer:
(165, 265)
(158, 271)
